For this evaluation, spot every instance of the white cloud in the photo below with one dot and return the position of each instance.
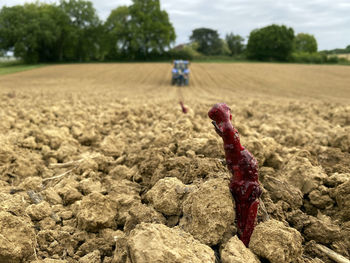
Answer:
(328, 20)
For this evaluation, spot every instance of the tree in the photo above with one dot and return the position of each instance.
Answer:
(235, 44)
(273, 42)
(305, 43)
(9, 24)
(225, 51)
(83, 35)
(140, 31)
(31, 31)
(151, 29)
(54, 23)
(47, 32)
(118, 33)
(347, 49)
(72, 31)
(208, 41)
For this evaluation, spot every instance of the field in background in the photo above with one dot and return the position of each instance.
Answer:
(212, 81)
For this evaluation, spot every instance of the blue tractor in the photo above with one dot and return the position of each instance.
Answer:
(180, 73)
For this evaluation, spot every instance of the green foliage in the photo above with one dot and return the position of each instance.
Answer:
(180, 54)
(208, 41)
(315, 58)
(305, 43)
(187, 52)
(118, 37)
(332, 59)
(151, 28)
(306, 57)
(72, 31)
(140, 31)
(83, 33)
(219, 59)
(47, 32)
(235, 44)
(191, 49)
(225, 48)
(347, 49)
(15, 66)
(273, 42)
(31, 31)
(338, 51)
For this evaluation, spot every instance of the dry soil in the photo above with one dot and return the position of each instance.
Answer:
(97, 161)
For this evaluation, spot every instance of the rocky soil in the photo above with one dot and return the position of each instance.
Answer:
(90, 176)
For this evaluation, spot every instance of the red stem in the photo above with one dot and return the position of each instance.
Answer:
(183, 108)
(244, 183)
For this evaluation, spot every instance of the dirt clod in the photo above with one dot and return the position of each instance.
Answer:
(166, 196)
(17, 238)
(158, 243)
(208, 212)
(96, 211)
(235, 251)
(274, 241)
(39, 211)
(342, 195)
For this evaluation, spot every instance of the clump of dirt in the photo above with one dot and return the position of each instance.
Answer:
(17, 241)
(94, 178)
(167, 195)
(235, 251)
(171, 244)
(274, 241)
(208, 213)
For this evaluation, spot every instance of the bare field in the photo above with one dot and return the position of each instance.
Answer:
(99, 164)
(208, 80)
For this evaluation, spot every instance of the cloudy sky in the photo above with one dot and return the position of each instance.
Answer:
(327, 20)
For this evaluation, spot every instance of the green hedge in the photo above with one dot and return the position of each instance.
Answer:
(180, 54)
(315, 58)
(304, 57)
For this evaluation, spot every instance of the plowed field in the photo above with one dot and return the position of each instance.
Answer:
(208, 81)
(97, 161)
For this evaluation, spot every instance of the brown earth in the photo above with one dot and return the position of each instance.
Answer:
(99, 164)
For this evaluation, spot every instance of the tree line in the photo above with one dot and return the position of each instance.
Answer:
(270, 43)
(72, 31)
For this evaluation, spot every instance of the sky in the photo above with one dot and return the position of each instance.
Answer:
(327, 20)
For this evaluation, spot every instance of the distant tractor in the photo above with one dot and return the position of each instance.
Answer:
(180, 73)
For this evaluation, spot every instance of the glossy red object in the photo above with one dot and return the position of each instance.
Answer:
(183, 108)
(244, 183)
